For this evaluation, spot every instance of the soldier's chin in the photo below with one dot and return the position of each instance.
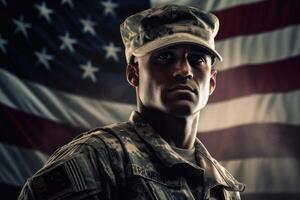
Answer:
(182, 108)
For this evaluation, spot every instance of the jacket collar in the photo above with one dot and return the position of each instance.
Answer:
(160, 147)
(214, 173)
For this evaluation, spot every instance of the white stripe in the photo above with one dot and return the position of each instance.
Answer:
(266, 175)
(262, 108)
(17, 164)
(259, 48)
(211, 5)
(58, 106)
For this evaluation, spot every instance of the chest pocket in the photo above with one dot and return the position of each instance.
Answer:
(160, 187)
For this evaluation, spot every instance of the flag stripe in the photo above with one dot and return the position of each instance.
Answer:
(109, 87)
(26, 130)
(246, 141)
(253, 109)
(254, 79)
(266, 175)
(257, 49)
(77, 111)
(17, 164)
(240, 20)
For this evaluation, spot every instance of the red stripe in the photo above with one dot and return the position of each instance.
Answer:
(252, 141)
(257, 17)
(271, 196)
(281, 76)
(32, 132)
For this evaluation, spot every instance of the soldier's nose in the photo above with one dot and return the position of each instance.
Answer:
(183, 69)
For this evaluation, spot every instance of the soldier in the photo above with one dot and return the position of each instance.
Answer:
(155, 155)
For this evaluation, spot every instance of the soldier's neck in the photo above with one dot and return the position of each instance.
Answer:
(177, 131)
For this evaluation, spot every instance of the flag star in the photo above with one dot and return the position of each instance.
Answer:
(67, 42)
(44, 11)
(2, 43)
(44, 58)
(21, 26)
(109, 7)
(88, 26)
(69, 2)
(89, 71)
(112, 51)
(4, 3)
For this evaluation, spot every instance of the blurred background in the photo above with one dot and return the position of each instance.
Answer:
(62, 71)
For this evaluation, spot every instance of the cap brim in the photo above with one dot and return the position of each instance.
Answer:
(177, 38)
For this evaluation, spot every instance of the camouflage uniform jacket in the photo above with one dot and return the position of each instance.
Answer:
(128, 161)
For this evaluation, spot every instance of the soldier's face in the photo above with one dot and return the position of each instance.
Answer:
(176, 80)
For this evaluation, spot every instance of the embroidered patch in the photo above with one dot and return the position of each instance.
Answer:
(62, 180)
(52, 183)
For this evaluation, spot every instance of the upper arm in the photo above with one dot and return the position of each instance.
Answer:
(74, 177)
(75, 171)
(79, 170)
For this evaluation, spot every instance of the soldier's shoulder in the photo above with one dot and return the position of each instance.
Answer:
(115, 136)
(96, 140)
(73, 170)
(99, 137)
(114, 133)
(74, 176)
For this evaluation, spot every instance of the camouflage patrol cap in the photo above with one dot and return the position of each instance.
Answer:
(166, 25)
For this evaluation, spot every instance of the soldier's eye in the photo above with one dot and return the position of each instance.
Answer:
(196, 59)
(165, 56)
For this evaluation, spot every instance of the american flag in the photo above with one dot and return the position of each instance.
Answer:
(62, 71)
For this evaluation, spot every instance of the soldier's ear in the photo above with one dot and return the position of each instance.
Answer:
(132, 74)
(213, 81)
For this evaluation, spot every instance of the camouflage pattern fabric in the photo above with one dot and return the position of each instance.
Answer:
(129, 161)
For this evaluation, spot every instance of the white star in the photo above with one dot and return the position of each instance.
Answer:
(21, 26)
(88, 25)
(4, 3)
(43, 58)
(112, 51)
(89, 71)
(44, 11)
(67, 42)
(109, 7)
(69, 2)
(2, 43)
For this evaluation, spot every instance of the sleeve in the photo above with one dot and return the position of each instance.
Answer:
(73, 176)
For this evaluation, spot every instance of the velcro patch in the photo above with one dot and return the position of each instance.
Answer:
(55, 181)
(71, 176)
